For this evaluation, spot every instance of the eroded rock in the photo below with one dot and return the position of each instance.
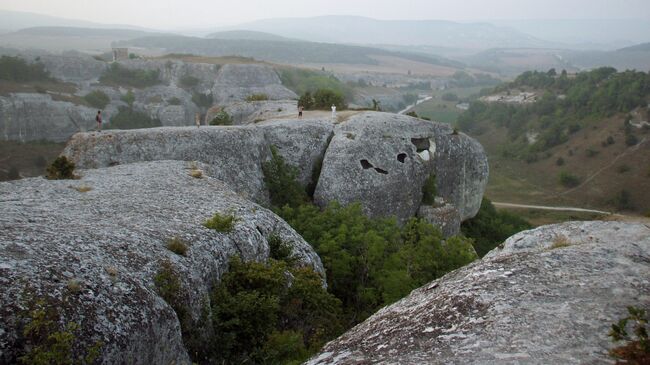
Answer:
(107, 232)
(549, 296)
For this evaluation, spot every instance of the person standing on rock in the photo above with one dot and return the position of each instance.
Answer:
(98, 119)
(333, 111)
(300, 109)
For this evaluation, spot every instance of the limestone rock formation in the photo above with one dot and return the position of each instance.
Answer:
(31, 117)
(233, 154)
(549, 296)
(237, 82)
(248, 112)
(382, 160)
(91, 248)
(442, 215)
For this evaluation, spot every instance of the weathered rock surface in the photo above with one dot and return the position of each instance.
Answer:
(173, 106)
(111, 241)
(237, 82)
(444, 216)
(532, 302)
(255, 111)
(31, 117)
(382, 160)
(233, 154)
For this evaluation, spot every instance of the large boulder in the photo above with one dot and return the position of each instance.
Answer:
(233, 154)
(91, 247)
(247, 112)
(382, 160)
(28, 117)
(549, 296)
(237, 82)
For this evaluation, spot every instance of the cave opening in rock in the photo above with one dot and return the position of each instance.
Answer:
(381, 171)
(366, 165)
(421, 144)
(401, 157)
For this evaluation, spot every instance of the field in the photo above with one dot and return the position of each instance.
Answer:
(445, 111)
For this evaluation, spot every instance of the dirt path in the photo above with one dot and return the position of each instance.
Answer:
(614, 161)
(542, 207)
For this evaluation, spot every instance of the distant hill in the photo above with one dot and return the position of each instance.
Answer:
(361, 30)
(294, 52)
(117, 34)
(16, 20)
(643, 47)
(247, 34)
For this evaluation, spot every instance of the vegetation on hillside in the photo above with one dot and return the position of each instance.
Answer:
(18, 70)
(322, 99)
(566, 105)
(302, 81)
(119, 75)
(129, 118)
(97, 99)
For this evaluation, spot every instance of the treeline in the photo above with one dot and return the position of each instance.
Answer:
(566, 103)
(17, 69)
(119, 75)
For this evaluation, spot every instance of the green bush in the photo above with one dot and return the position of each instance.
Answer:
(281, 250)
(60, 169)
(449, 97)
(262, 315)
(224, 223)
(222, 118)
(325, 98)
(97, 99)
(568, 180)
(559, 161)
(177, 246)
(122, 76)
(257, 97)
(623, 200)
(281, 181)
(374, 262)
(636, 349)
(489, 228)
(174, 101)
(429, 190)
(188, 81)
(302, 81)
(18, 70)
(306, 101)
(128, 98)
(128, 118)
(623, 169)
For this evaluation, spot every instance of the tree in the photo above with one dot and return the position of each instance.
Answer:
(221, 118)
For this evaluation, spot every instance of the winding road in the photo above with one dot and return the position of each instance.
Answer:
(542, 207)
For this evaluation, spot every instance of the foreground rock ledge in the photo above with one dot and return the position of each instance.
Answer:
(548, 297)
(110, 241)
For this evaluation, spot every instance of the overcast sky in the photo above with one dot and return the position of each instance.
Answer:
(170, 14)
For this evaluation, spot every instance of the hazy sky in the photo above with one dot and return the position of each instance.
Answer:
(169, 14)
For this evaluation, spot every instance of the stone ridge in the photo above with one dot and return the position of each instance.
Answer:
(532, 302)
(111, 241)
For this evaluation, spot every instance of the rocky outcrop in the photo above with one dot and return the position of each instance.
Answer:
(237, 82)
(382, 160)
(442, 215)
(548, 296)
(173, 106)
(91, 248)
(31, 117)
(233, 154)
(248, 112)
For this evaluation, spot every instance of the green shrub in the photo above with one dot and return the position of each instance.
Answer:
(18, 70)
(257, 97)
(429, 190)
(306, 101)
(489, 228)
(623, 200)
(631, 140)
(188, 81)
(449, 97)
(122, 76)
(325, 98)
(374, 262)
(592, 152)
(128, 118)
(97, 99)
(60, 169)
(129, 98)
(224, 223)
(174, 101)
(45, 343)
(559, 161)
(221, 118)
(177, 245)
(623, 169)
(636, 349)
(261, 315)
(280, 250)
(281, 181)
(568, 180)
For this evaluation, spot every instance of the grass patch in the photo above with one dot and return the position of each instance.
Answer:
(559, 242)
(224, 223)
(257, 97)
(61, 169)
(177, 245)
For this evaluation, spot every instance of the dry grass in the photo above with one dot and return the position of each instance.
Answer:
(559, 242)
(177, 245)
(74, 286)
(82, 188)
(197, 174)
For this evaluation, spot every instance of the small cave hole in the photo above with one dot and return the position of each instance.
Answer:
(401, 157)
(381, 171)
(421, 144)
(366, 165)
